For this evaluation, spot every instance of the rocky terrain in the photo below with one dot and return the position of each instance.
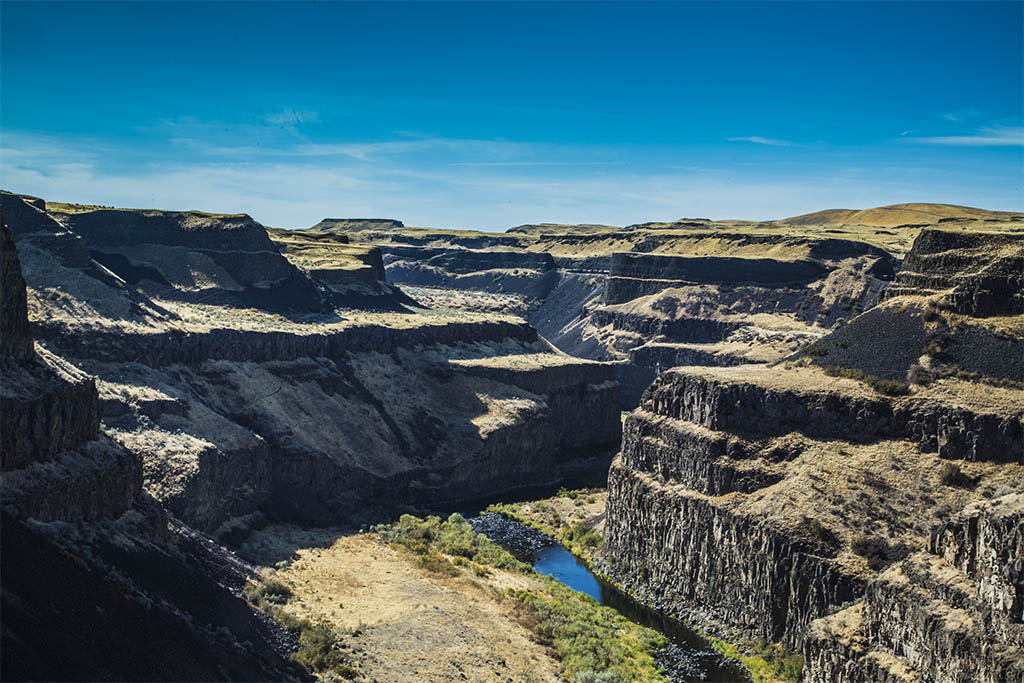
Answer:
(826, 451)
(656, 295)
(879, 467)
(302, 413)
(77, 522)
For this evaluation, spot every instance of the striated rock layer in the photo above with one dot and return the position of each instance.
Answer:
(343, 415)
(952, 613)
(757, 502)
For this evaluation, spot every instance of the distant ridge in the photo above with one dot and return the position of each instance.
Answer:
(896, 215)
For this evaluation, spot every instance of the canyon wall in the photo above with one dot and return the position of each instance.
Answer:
(874, 525)
(950, 613)
(75, 521)
(351, 414)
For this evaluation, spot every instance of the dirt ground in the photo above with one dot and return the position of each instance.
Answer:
(401, 622)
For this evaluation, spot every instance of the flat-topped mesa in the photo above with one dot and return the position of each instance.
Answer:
(977, 273)
(952, 613)
(193, 256)
(342, 225)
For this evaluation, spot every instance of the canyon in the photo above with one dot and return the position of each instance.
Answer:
(810, 429)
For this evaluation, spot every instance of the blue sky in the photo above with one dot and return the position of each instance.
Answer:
(487, 115)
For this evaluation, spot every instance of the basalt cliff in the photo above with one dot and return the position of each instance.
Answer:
(172, 380)
(858, 501)
(825, 449)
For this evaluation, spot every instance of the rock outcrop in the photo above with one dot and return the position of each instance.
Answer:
(344, 415)
(977, 273)
(156, 603)
(952, 613)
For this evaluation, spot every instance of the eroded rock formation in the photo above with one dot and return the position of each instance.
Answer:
(96, 586)
(767, 501)
(238, 413)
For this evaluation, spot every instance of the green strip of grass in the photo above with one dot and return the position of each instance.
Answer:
(593, 642)
(767, 663)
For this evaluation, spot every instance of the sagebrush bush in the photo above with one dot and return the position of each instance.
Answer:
(951, 475)
(876, 551)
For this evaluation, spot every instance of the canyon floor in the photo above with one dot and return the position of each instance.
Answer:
(403, 622)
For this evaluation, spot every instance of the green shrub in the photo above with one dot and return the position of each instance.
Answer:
(589, 639)
(580, 535)
(270, 591)
(819, 530)
(875, 550)
(318, 651)
(429, 537)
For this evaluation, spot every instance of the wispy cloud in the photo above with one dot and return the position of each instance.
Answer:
(990, 136)
(291, 117)
(758, 140)
(480, 184)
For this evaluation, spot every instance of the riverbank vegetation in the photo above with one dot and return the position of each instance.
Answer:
(576, 519)
(587, 638)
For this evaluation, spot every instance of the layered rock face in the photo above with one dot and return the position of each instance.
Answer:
(741, 496)
(193, 256)
(952, 613)
(346, 415)
(978, 274)
(156, 596)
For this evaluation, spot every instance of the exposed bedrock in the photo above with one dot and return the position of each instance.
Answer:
(685, 550)
(633, 275)
(952, 431)
(194, 256)
(950, 614)
(706, 461)
(979, 274)
(418, 420)
(463, 261)
(179, 346)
